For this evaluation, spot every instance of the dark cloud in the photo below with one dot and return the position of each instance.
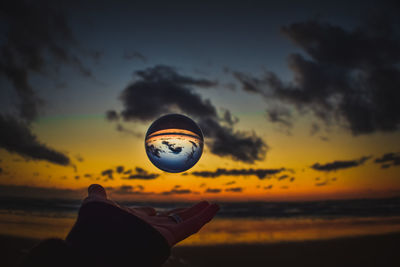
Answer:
(231, 183)
(129, 190)
(292, 179)
(123, 189)
(160, 90)
(349, 76)
(74, 167)
(339, 164)
(249, 83)
(268, 187)
(280, 115)
(283, 177)
(389, 159)
(162, 73)
(79, 158)
(229, 118)
(119, 169)
(172, 148)
(108, 173)
(37, 40)
(234, 189)
(327, 181)
(132, 55)
(260, 173)
(291, 170)
(212, 190)
(87, 175)
(175, 191)
(239, 145)
(140, 187)
(122, 129)
(112, 115)
(142, 174)
(16, 137)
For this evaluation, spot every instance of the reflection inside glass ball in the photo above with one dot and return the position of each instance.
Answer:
(174, 143)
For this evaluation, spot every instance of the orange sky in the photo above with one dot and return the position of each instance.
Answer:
(101, 147)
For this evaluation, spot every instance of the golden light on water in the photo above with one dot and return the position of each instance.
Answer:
(223, 231)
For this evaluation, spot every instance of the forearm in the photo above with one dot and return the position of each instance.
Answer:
(103, 235)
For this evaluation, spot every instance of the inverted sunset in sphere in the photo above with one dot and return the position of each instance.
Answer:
(174, 143)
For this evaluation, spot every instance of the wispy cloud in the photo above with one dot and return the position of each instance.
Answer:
(16, 137)
(260, 173)
(339, 164)
(213, 190)
(388, 160)
(234, 189)
(142, 174)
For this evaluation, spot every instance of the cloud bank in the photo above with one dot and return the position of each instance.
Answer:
(339, 164)
(37, 40)
(16, 137)
(350, 77)
(160, 90)
(260, 173)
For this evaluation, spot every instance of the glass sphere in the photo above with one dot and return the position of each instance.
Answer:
(174, 143)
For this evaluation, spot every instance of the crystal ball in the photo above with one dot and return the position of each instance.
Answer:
(174, 143)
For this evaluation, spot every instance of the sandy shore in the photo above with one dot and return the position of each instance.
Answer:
(382, 250)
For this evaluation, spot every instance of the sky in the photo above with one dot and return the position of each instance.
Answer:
(297, 100)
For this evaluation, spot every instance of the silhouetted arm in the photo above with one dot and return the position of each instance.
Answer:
(106, 234)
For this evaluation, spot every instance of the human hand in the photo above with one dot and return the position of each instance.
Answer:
(175, 225)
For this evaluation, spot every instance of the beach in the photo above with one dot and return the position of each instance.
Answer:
(373, 250)
(324, 233)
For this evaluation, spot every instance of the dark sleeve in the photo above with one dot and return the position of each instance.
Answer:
(103, 235)
(52, 252)
(109, 236)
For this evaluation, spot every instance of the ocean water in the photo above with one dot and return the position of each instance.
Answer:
(237, 222)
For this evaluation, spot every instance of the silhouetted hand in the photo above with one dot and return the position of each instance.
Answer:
(187, 222)
(106, 234)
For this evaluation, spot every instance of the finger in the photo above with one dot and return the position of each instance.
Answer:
(146, 210)
(192, 211)
(97, 191)
(194, 224)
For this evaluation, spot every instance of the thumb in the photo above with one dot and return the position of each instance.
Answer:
(97, 191)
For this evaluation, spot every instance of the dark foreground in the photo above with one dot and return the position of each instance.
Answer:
(366, 251)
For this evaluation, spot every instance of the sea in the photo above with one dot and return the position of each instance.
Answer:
(235, 223)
